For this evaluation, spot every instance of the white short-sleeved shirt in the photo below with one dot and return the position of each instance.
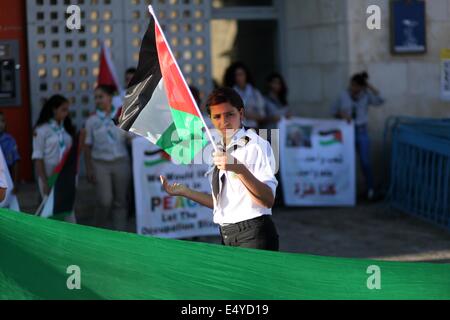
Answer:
(234, 203)
(49, 144)
(107, 140)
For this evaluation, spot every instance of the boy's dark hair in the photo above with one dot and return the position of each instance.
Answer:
(224, 95)
(361, 79)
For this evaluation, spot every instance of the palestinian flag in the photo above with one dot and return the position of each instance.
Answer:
(107, 71)
(61, 200)
(108, 76)
(159, 105)
(331, 137)
(154, 158)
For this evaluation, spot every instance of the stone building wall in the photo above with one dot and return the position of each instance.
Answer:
(328, 41)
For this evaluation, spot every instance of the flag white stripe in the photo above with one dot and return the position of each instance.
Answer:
(156, 117)
(157, 25)
(47, 211)
(111, 66)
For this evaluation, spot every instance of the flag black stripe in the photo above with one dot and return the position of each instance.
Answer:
(145, 80)
(65, 185)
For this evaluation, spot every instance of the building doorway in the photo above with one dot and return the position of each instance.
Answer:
(250, 34)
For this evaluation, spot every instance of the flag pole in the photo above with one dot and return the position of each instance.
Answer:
(152, 12)
(41, 206)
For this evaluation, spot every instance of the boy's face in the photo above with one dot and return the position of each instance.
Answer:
(226, 117)
(2, 123)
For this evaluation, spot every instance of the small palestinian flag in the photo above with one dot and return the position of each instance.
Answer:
(331, 137)
(154, 158)
(61, 200)
(159, 105)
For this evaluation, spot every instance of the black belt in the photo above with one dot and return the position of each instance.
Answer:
(244, 225)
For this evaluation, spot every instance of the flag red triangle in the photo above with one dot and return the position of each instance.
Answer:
(178, 92)
(107, 75)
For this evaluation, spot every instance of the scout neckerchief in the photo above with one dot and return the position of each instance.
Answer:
(108, 123)
(59, 131)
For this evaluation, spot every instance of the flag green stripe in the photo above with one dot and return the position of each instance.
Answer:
(328, 143)
(60, 216)
(154, 163)
(165, 142)
(184, 138)
(52, 179)
(35, 254)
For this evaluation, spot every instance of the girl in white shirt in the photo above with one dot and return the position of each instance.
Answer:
(242, 178)
(52, 137)
(239, 78)
(108, 162)
(276, 101)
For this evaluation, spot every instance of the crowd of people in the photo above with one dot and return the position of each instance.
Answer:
(106, 148)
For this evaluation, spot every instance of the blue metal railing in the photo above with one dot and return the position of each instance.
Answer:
(420, 168)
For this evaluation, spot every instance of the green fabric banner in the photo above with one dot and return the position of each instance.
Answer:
(36, 253)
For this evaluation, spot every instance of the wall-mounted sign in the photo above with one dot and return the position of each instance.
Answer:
(408, 27)
(445, 74)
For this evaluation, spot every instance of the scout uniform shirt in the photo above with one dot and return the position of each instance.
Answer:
(108, 141)
(233, 203)
(50, 141)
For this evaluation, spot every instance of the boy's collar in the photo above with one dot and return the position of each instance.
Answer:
(240, 139)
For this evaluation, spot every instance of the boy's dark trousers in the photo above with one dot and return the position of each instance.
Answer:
(258, 233)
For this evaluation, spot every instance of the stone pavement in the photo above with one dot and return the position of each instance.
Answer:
(367, 231)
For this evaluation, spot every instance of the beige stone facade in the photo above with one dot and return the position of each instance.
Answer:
(328, 41)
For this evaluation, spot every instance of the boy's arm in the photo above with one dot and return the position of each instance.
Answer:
(177, 189)
(204, 199)
(260, 193)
